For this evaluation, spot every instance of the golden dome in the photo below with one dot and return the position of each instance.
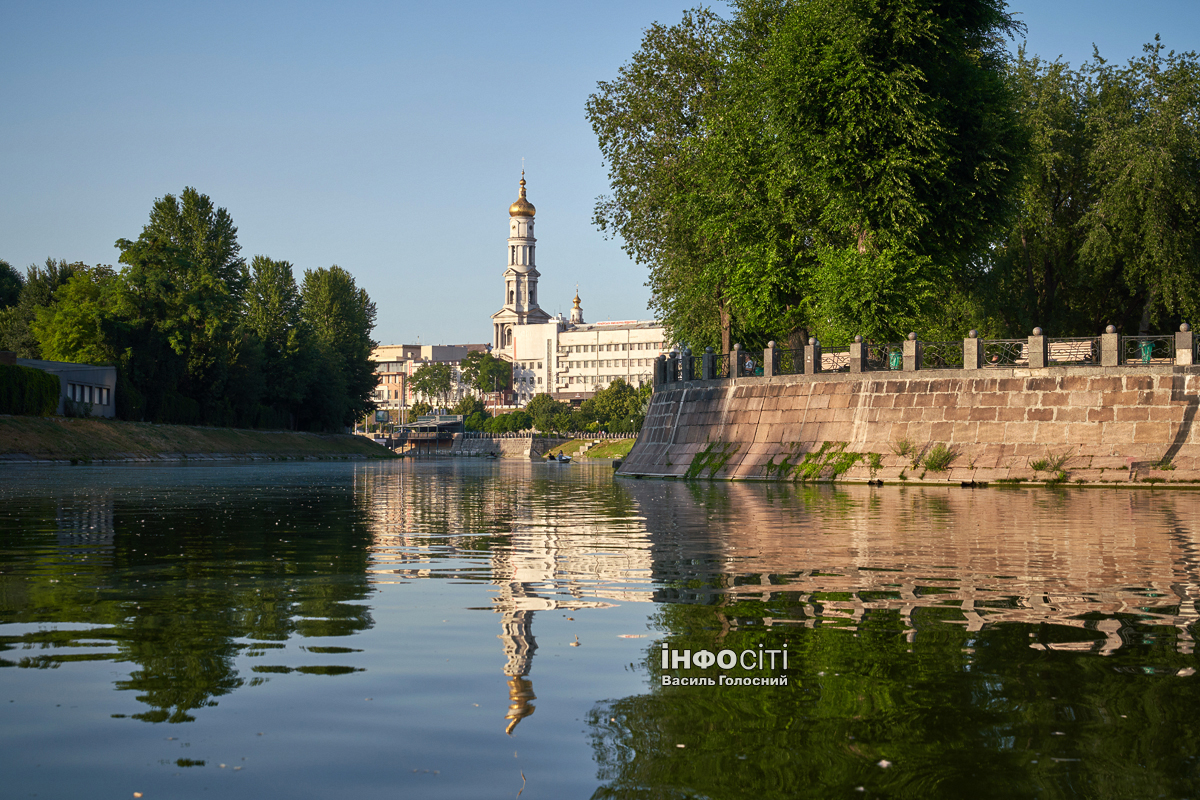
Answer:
(577, 298)
(522, 208)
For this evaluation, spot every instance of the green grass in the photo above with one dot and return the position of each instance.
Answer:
(939, 458)
(613, 448)
(82, 440)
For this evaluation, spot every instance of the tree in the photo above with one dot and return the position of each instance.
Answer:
(11, 284)
(433, 381)
(189, 251)
(342, 317)
(1110, 204)
(484, 372)
(545, 411)
(40, 284)
(78, 326)
(823, 166)
(273, 314)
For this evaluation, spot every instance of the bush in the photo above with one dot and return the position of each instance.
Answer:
(939, 458)
(24, 390)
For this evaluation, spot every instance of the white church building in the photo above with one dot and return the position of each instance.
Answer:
(565, 357)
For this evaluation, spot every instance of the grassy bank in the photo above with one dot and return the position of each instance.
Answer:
(609, 448)
(60, 438)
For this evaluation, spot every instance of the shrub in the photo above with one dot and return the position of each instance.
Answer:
(24, 390)
(939, 458)
(904, 447)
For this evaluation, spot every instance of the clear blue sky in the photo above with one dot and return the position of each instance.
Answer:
(383, 137)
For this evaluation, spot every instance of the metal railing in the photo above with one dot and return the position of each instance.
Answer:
(697, 367)
(675, 367)
(721, 366)
(1005, 352)
(881, 357)
(1147, 349)
(791, 362)
(837, 360)
(942, 355)
(1073, 350)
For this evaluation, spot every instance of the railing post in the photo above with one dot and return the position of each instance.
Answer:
(858, 355)
(812, 357)
(672, 362)
(770, 360)
(1183, 346)
(735, 361)
(972, 351)
(1110, 347)
(660, 371)
(912, 353)
(685, 367)
(1039, 355)
(708, 365)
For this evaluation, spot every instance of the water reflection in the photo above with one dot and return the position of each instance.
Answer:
(982, 642)
(993, 643)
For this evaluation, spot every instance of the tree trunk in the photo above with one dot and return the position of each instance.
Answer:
(726, 322)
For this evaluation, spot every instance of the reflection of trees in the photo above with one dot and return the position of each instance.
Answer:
(177, 589)
(950, 633)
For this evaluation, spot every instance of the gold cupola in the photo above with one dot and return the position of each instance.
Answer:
(522, 208)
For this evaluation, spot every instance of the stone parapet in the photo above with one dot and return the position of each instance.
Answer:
(1109, 424)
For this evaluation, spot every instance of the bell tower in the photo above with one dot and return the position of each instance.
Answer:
(520, 277)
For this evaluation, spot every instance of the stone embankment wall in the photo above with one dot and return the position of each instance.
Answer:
(1081, 424)
(529, 447)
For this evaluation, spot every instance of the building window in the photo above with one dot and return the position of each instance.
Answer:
(539, 381)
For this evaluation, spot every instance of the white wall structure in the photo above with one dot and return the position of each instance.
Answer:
(556, 355)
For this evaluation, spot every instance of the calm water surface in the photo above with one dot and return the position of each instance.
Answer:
(461, 630)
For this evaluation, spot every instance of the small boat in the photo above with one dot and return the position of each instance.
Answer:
(562, 458)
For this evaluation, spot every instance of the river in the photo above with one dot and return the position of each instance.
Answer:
(450, 629)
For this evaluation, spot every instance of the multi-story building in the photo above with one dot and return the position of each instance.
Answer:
(568, 358)
(395, 364)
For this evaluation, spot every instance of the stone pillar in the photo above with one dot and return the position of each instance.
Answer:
(858, 355)
(1039, 354)
(685, 371)
(1184, 352)
(770, 360)
(660, 372)
(672, 365)
(708, 365)
(1110, 347)
(912, 353)
(972, 351)
(735, 361)
(812, 357)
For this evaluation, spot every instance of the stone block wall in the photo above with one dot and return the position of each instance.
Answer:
(1109, 424)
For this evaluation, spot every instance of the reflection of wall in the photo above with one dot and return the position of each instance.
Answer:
(1051, 557)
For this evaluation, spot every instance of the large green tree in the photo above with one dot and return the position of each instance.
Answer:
(825, 165)
(273, 315)
(341, 316)
(1109, 222)
(37, 292)
(432, 381)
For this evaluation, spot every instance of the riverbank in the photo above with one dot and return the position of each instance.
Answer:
(59, 439)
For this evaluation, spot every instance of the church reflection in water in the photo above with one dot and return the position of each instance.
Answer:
(1106, 563)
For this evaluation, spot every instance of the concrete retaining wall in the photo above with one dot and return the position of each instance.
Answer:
(1115, 424)
(528, 447)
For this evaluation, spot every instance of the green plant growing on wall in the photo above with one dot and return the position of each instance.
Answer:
(904, 447)
(1053, 462)
(939, 458)
(713, 458)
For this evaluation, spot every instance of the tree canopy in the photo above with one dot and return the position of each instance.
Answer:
(199, 338)
(820, 166)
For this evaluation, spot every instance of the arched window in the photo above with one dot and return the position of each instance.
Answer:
(511, 296)
(532, 294)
